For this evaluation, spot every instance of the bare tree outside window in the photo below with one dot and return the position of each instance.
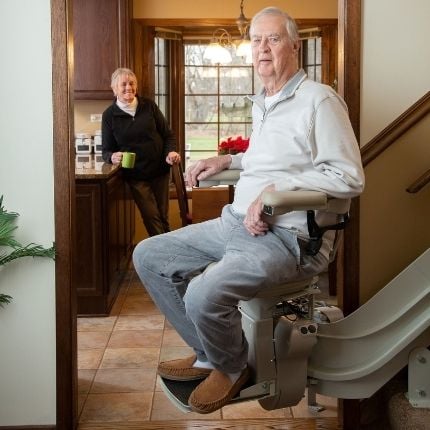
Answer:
(216, 106)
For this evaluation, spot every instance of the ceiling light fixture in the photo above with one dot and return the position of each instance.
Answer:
(217, 52)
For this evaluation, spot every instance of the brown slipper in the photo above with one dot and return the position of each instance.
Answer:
(182, 369)
(216, 391)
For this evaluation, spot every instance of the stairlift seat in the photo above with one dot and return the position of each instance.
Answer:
(351, 357)
(280, 337)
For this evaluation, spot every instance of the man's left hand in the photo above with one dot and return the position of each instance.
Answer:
(253, 221)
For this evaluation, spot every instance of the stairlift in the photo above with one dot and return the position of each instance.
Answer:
(295, 344)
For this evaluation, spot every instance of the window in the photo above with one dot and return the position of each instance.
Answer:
(161, 93)
(311, 58)
(205, 103)
(216, 105)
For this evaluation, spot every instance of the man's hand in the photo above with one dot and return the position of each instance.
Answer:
(205, 168)
(253, 221)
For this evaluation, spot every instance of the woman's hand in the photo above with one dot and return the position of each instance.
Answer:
(253, 221)
(116, 158)
(173, 158)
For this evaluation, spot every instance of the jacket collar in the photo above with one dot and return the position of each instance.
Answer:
(287, 91)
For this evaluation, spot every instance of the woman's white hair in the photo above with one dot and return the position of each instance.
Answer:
(119, 72)
(290, 24)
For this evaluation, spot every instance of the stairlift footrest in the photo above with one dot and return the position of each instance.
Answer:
(419, 378)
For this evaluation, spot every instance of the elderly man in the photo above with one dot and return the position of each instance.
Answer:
(301, 140)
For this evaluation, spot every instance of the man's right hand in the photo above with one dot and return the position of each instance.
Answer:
(205, 168)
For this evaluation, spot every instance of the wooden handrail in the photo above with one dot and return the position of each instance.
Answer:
(398, 127)
(420, 183)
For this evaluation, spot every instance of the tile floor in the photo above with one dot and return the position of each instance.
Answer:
(117, 361)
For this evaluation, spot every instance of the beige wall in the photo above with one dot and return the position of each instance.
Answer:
(395, 74)
(395, 60)
(394, 226)
(83, 110)
(231, 9)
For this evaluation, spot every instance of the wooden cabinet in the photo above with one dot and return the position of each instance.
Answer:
(207, 203)
(101, 44)
(104, 236)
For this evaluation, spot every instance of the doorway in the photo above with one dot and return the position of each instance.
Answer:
(61, 10)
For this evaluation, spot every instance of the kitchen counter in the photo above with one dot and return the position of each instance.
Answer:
(104, 233)
(92, 166)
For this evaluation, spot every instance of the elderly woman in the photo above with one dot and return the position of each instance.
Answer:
(136, 124)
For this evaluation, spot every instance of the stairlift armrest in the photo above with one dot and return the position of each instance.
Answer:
(225, 177)
(280, 202)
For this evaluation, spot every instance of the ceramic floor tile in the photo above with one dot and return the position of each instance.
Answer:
(81, 402)
(140, 322)
(139, 306)
(302, 410)
(252, 409)
(96, 324)
(138, 291)
(117, 306)
(164, 410)
(172, 338)
(85, 379)
(135, 338)
(124, 380)
(130, 358)
(125, 387)
(117, 407)
(92, 339)
(174, 352)
(90, 358)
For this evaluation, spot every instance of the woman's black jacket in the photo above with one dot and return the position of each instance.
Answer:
(147, 134)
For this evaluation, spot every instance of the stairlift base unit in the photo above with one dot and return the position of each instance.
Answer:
(419, 378)
(277, 345)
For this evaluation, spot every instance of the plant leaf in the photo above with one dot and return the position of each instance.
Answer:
(5, 299)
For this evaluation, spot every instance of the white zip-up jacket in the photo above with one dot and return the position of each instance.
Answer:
(304, 141)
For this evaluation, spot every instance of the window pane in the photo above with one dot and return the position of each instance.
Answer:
(201, 109)
(156, 88)
(215, 96)
(201, 80)
(227, 130)
(311, 51)
(162, 52)
(318, 50)
(235, 109)
(201, 141)
(318, 74)
(162, 80)
(162, 104)
(235, 80)
(194, 55)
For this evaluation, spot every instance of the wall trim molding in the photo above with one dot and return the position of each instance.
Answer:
(393, 131)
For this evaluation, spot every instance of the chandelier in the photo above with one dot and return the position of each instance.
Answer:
(217, 52)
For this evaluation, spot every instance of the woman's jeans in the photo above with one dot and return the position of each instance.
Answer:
(203, 305)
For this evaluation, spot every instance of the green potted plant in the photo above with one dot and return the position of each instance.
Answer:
(7, 228)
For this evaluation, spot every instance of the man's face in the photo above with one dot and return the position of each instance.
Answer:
(273, 54)
(125, 88)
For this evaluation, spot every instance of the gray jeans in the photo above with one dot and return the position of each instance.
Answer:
(202, 305)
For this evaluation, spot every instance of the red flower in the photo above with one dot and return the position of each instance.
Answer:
(233, 145)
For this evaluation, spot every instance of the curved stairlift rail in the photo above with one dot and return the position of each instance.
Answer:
(357, 355)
